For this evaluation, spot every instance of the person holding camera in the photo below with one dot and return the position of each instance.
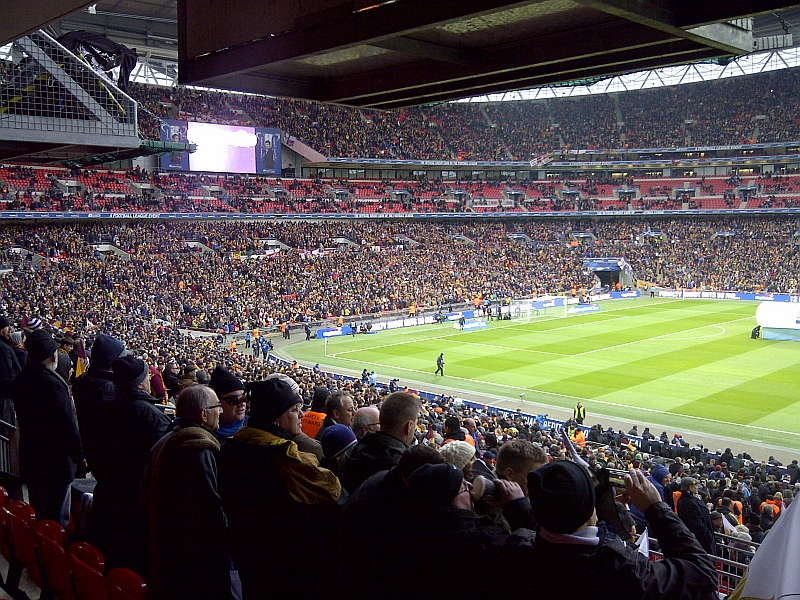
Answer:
(569, 545)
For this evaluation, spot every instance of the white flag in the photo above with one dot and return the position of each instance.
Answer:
(773, 573)
(644, 543)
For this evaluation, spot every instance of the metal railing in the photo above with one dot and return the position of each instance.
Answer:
(6, 431)
(731, 565)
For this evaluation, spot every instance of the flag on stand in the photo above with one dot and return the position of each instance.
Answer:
(773, 573)
(643, 543)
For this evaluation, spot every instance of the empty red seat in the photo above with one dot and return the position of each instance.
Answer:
(20, 520)
(88, 566)
(124, 584)
(51, 547)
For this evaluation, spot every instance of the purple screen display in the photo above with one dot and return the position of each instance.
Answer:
(222, 148)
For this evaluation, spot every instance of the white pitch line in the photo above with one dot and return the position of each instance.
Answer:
(509, 348)
(449, 378)
(657, 337)
(514, 325)
(722, 331)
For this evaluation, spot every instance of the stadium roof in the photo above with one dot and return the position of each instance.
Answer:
(393, 53)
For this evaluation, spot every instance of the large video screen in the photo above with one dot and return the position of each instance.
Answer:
(222, 148)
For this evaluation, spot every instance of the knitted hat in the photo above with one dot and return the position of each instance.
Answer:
(435, 486)
(318, 401)
(40, 345)
(658, 472)
(4, 322)
(224, 382)
(269, 399)
(562, 496)
(129, 372)
(457, 453)
(34, 323)
(106, 350)
(283, 377)
(337, 439)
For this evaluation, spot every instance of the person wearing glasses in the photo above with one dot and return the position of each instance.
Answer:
(188, 551)
(366, 420)
(281, 505)
(230, 391)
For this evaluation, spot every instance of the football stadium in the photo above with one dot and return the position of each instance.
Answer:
(689, 364)
(329, 284)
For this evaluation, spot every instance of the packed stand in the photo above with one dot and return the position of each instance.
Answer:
(719, 112)
(316, 455)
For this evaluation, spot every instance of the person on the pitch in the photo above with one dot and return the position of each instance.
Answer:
(440, 365)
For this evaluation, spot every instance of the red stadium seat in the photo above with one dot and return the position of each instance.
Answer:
(3, 535)
(53, 562)
(20, 520)
(88, 566)
(124, 584)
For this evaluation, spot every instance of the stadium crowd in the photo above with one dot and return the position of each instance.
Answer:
(390, 264)
(275, 457)
(238, 465)
(718, 112)
(137, 190)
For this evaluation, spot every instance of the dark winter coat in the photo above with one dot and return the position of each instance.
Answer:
(376, 451)
(94, 395)
(187, 524)
(282, 512)
(50, 445)
(612, 569)
(694, 514)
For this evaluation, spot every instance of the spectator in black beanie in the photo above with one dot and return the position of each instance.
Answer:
(570, 546)
(279, 502)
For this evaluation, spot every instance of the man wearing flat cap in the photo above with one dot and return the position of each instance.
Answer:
(578, 554)
(281, 505)
(49, 442)
(693, 512)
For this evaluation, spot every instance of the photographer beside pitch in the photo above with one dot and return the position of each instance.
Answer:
(576, 557)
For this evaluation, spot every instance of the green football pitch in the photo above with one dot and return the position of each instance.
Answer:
(677, 363)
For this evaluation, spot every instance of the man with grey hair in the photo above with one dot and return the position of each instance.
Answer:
(339, 409)
(189, 555)
(366, 420)
(304, 442)
(382, 449)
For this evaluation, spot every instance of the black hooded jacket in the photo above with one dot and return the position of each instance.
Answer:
(375, 452)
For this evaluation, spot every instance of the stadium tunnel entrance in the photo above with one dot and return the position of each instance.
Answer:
(611, 271)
